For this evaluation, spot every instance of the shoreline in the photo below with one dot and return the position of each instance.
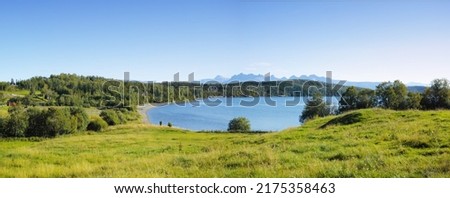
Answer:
(143, 110)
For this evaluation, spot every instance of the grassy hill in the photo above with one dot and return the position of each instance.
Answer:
(363, 143)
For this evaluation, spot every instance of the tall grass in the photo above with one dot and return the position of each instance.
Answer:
(3, 111)
(379, 143)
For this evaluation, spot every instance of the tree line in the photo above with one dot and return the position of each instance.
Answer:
(395, 95)
(388, 95)
(93, 91)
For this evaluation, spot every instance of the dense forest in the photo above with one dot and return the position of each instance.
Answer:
(92, 91)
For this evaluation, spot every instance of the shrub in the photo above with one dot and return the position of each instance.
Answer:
(60, 122)
(169, 124)
(36, 120)
(2, 121)
(239, 124)
(110, 117)
(129, 114)
(81, 117)
(55, 121)
(16, 123)
(97, 124)
(119, 116)
(122, 117)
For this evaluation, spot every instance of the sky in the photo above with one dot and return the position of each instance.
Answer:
(357, 40)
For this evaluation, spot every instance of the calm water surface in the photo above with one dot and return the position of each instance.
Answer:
(209, 115)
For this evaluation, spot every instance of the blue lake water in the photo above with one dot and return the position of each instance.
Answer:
(215, 113)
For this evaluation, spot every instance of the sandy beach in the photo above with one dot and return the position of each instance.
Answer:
(143, 111)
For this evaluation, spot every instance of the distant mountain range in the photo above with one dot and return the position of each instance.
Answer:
(416, 87)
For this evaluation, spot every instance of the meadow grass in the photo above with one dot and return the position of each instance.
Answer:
(363, 143)
(3, 111)
(20, 92)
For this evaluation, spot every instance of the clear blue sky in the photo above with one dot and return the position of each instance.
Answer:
(357, 40)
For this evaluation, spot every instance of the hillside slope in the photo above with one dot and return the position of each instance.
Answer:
(363, 143)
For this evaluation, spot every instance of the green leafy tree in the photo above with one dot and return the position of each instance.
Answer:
(315, 107)
(49, 95)
(16, 123)
(239, 124)
(349, 100)
(4, 86)
(437, 96)
(414, 100)
(32, 91)
(365, 99)
(392, 95)
(384, 93)
(401, 93)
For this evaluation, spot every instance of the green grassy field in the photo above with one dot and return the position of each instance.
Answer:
(364, 143)
(18, 92)
(3, 111)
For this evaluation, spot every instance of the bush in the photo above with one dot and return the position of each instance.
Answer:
(59, 121)
(2, 121)
(169, 124)
(129, 114)
(122, 118)
(110, 117)
(119, 116)
(81, 117)
(97, 124)
(239, 124)
(16, 123)
(55, 121)
(36, 123)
